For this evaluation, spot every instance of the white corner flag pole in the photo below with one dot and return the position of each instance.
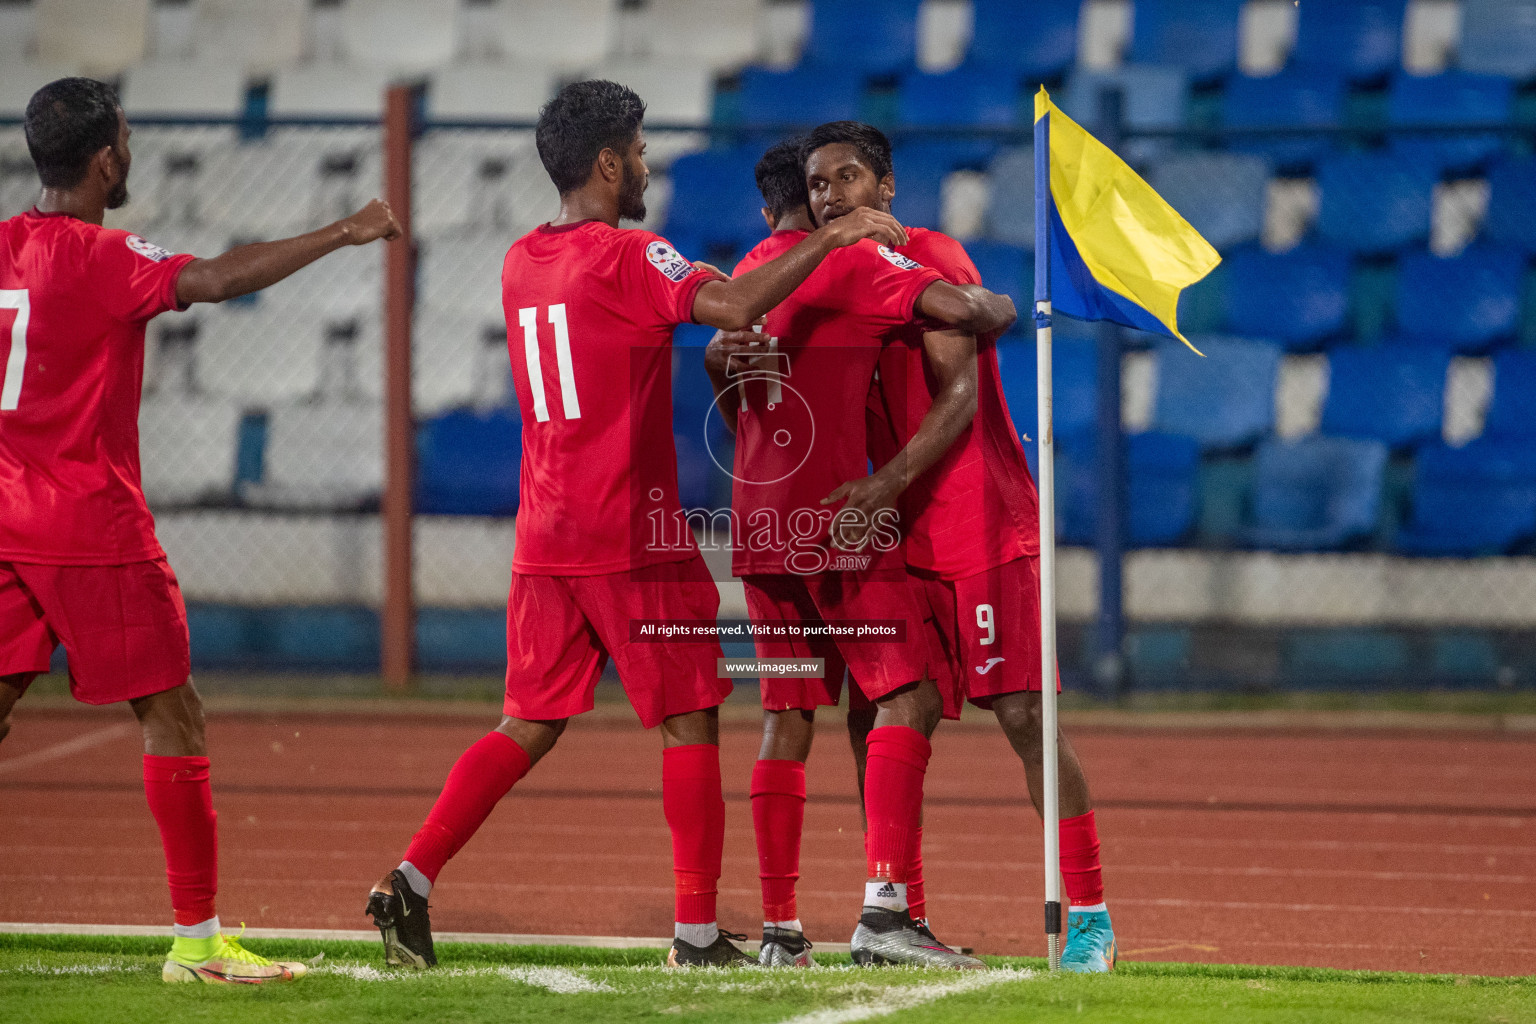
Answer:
(1051, 812)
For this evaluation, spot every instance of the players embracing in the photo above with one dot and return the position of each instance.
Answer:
(951, 466)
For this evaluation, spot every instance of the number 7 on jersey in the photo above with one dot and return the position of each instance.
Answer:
(528, 318)
(16, 365)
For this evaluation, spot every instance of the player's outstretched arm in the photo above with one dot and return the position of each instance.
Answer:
(736, 304)
(967, 307)
(250, 268)
(951, 357)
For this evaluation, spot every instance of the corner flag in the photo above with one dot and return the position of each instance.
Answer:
(1117, 251)
(1106, 248)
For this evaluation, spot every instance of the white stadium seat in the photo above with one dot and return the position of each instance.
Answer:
(328, 90)
(462, 271)
(325, 454)
(18, 31)
(568, 34)
(100, 38)
(459, 359)
(257, 35)
(401, 34)
(675, 92)
(203, 89)
(489, 92)
(720, 33)
(189, 445)
(19, 79)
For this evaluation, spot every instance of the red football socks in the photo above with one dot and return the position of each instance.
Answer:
(482, 775)
(917, 901)
(778, 816)
(182, 803)
(1080, 860)
(893, 798)
(695, 810)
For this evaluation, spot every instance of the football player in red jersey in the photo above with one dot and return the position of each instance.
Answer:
(798, 440)
(79, 562)
(590, 312)
(972, 530)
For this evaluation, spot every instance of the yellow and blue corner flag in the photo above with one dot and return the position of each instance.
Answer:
(1107, 247)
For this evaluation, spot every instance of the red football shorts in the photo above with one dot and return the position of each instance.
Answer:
(561, 631)
(877, 666)
(124, 627)
(989, 625)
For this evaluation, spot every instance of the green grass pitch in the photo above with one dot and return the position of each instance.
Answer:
(58, 978)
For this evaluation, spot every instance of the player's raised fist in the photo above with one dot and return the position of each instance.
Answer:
(865, 223)
(372, 222)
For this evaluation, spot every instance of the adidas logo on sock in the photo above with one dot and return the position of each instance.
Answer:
(887, 891)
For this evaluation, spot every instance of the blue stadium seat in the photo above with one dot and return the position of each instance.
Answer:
(1162, 483)
(1453, 98)
(1477, 500)
(1299, 298)
(1465, 303)
(1154, 97)
(1011, 197)
(968, 97)
(1003, 269)
(1223, 195)
(1395, 395)
(1074, 388)
(1030, 39)
(921, 167)
(1498, 37)
(1511, 216)
(801, 96)
(715, 201)
(1294, 98)
(877, 39)
(467, 462)
(1375, 202)
(1198, 35)
(1226, 400)
(1362, 38)
(1315, 493)
(1514, 397)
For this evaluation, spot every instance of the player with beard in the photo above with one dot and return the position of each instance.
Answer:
(798, 440)
(972, 532)
(590, 313)
(79, 562)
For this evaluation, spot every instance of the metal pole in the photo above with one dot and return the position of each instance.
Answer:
(1050, 812)
(397, 653)
(1109, 658)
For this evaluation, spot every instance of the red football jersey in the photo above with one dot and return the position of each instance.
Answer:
(976, 507)
(801, 431)
(590, 311)
(74, 300)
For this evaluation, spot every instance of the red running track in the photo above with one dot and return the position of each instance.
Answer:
(1405, 851)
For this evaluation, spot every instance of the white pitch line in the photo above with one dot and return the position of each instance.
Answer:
(896, 999)
(558, 980)
(68, 747)
(370, 935)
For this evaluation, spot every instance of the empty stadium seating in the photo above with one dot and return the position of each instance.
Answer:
(1477, 500)
(1466, 302)
(1375, 202)
(1512, 203)
(468, 462)
(1162, 490)
(1498, 37)
(1514, 397)
(1293, 99)
(1315, 493)
(1393, 394)
(1030, 39)
(1362, 38)
(715, 199)
(1199, 35)
(878, 39)
(1222, 195)
(966, 97)
(803, 96)
(1224, 400)
(1298, 298)
(1453, 98)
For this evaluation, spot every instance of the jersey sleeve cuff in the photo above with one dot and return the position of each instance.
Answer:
(924, 280)
(689, 292)
(169, 299)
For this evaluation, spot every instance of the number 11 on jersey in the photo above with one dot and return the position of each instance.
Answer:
(528, 319)
(16, 364)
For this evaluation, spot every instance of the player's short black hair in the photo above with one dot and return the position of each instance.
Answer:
(781, 179)
(870, 141)
(67, 123)
(584, 119)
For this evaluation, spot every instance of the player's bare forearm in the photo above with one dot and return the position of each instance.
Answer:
(968, 307)
(250, 268)
(735, 304)
(951, 355)
(717, 358)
